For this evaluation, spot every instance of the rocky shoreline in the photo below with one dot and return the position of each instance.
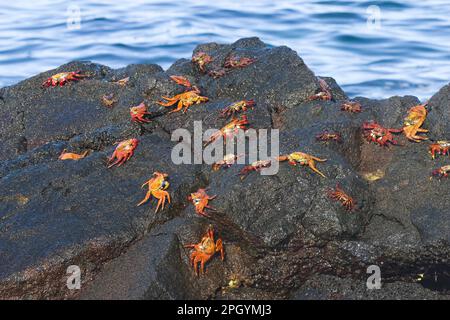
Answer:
(283, 237)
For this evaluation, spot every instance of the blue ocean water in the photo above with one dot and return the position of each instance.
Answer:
(372, 48)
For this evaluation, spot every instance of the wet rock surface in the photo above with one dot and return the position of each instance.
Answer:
(284, 237)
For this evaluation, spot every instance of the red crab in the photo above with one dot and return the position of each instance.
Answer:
(124, 151)
(234, 62)
(329, 136)
(378, 134)
(205, 250)
(230, 129)
(201, 59)
(183, 81)
(442, 172)
(62, 78)
(440, 147)
(351, 106)
(236, 107)
(138, 113)
(255, 166)
(324, 93)
(227, 161)
(339, 195)
(200, 201)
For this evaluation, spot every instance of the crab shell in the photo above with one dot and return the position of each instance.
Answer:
(138, 113)
(71, 156)
(123, 152)
(303, 159)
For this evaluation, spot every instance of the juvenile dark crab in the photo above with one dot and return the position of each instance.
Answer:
(439, 147)
(329, 136)
(62, 78)
(324, 93)
(442, 172)
(237, 62)
(240, 106)
(339, 195)
(351, 106)
(205, 250)
(201, 59)
(373, 132)
(255, 166)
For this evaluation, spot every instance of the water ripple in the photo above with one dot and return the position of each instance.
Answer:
(408, 54)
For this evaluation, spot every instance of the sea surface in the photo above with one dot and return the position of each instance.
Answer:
(372, 48)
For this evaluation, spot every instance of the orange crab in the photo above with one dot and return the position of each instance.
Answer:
(255, 166)
(373, 132)
(183, 81)
(329, 136)
(123, 152)
(442, 172)
(156, 188)
(439, 147)
(123, 82)
(185, 99)
(324, 92)
(71, 156)
(339, 195)
(139, 112)
(62, 78)
(236, 107)
(230, 129)
(108, 100)
(201, 59)
(414, 120)
(351, 106)
(227, 161)
(205, 250)
(303, 159)
(234, 62)
(200, 201)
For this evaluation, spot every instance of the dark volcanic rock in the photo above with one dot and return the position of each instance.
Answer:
(283, 236)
